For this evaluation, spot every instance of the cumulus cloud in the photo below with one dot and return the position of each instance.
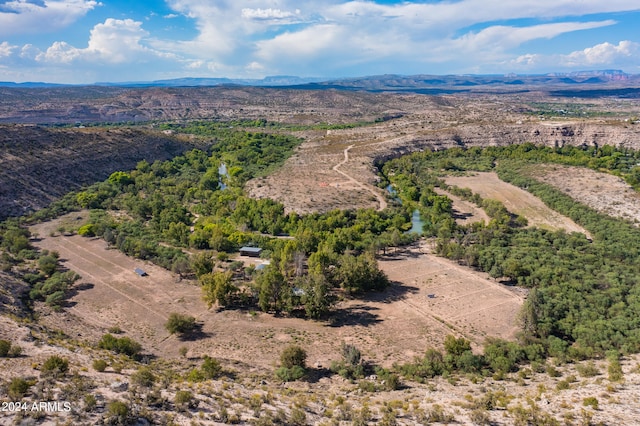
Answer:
(24, 17)
(115, 41)
(603, 54)
(329, 37)
(6, 49)
(600, 55)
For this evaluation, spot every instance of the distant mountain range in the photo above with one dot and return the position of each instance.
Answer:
(424, 83)
(275, 81)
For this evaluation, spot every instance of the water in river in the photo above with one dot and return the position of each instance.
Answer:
(416, 223)
(222, 171)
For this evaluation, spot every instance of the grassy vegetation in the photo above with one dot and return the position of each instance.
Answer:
(583, 295)
(583, 301)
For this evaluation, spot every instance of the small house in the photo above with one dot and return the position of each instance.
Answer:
(250, 251)
(141, 272)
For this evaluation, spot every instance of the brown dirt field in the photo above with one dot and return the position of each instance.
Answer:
(516, 200)
(466, 302)
(603, 192)
(464, 211)
(392, 326)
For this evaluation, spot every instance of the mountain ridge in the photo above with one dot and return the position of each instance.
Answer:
(364, 82)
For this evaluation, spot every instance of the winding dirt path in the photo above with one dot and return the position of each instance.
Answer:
(382, 203)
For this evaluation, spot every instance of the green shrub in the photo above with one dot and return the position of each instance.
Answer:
(179, 323)
(298, 417)
(90, 402)
(55, 366)
(195, 375)
(211, 367)
(587, 370)
(123, 345)
(143, 377)
(293, 356)
(590, 401)
(290, 374)
(115, 330)
(14, 351)
(4, 348)
(99, 365)
(184, 399)
(18, 388)
(87, 230)
(350, 354)
(118, 412)
(615, 371)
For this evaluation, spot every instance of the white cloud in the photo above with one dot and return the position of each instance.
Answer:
(255, 66)
(268, 14)
(303, 44)
(23, 17)
(114, 41)
(625, 53)
(6, 49)
(603, 54)
(507, 37)
(331, 34)
(246, 38)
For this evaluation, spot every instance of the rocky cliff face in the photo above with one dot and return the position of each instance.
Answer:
(38, 165)
(549, 134)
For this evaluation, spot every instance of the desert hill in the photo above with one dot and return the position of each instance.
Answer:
(38, 165)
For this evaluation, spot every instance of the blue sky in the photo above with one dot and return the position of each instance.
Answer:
(87, 41)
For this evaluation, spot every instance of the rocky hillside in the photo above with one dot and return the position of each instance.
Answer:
(555, 134)
(38, 165)
(113, 104)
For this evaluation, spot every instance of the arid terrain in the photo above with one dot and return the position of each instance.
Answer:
(392, 326)
(603, 192)
(39, 165)
(516, 200)
(429, 298)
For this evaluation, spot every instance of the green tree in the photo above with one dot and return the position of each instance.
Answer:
(272, 287)
(456, 346)
(202, 263)
(293, 356)
(217, 287)
(358, 274)
(316, 296)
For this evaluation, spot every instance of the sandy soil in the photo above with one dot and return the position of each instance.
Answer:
(392, 326)
(516, 200)
(601, 191)
(618, 402)
(466, 302)
(465, 212)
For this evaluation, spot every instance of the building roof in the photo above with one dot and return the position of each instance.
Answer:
(251, 249)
